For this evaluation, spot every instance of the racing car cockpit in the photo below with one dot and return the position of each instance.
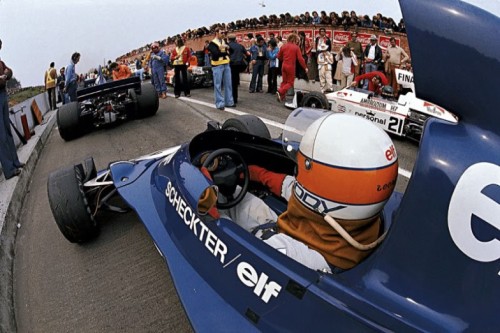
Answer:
(224, 158)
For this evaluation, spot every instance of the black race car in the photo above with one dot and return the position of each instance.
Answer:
(107, 103)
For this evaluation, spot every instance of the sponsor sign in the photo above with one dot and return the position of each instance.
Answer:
(263, 33)
(308, 33)
(364, 39)
(275, 32)
(385, 41)
(286, 33)
(405, 79)
(470, 199)
(199, 230)
(341, 37)
(261, 286)
(328, 33)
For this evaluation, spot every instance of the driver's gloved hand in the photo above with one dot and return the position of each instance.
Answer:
(271, 180)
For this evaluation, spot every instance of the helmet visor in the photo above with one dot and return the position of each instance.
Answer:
(296, 125)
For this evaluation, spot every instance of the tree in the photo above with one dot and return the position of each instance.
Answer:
(13, 83)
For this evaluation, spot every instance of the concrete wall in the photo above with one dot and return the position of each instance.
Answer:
(12, 193)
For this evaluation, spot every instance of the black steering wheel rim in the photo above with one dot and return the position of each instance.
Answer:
(246, 175)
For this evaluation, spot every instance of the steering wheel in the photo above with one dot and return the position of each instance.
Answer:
(227, 175)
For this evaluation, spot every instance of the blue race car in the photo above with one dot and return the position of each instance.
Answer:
(438, 268)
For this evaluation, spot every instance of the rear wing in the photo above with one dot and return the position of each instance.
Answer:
(109, 87)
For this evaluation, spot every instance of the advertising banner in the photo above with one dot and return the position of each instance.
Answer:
(328, 33)
(364, 39)
(285, 33)
(384, 42)
(275, 32)
(340, 37)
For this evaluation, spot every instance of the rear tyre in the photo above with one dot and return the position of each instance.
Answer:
(147, 101)
(69, 205)
(132, 110)
(68, 121)
(247, 124)
(315, 100)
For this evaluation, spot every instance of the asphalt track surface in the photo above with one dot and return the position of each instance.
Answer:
(118, 282)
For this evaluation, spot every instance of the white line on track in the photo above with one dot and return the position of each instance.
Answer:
(402, 172)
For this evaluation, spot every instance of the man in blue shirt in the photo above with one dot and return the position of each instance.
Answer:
(71, 83)
(259, 57)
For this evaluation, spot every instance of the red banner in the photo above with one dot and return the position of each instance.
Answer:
(262, 33)
(328, 33)
(364, 39)
(385, 41)
(285, 33)
(341, 37)
(275, 32)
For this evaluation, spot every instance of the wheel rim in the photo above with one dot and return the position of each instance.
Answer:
(314, 102)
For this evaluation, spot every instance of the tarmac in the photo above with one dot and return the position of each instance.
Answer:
(13, 191)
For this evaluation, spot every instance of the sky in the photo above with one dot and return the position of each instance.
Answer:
(36, 32)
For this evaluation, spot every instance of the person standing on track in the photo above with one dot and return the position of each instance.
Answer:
(71, 84)
(289, 54)
(180, 61)
(50, 85)
(8, 153)
(237, 55)
(219, 52)
(157, 62)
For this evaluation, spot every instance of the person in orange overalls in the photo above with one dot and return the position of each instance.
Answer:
(120, 71)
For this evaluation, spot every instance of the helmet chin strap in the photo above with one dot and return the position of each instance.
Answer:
(335, 225)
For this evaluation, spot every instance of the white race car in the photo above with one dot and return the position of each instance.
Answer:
(403, 117)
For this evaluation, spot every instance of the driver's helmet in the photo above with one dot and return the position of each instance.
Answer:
(347, 167)
(387, 92)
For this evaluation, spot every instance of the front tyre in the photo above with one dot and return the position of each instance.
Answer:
(69, 205)
(315, 100)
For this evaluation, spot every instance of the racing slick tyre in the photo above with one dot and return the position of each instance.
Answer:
(68, 121)
(247, 124)
(69, 205)
(147, 101)
(316, 100)
(132, 111)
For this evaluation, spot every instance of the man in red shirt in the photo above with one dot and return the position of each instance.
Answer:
(376, 80)
(120, 71)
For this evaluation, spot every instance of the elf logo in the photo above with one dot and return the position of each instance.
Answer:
(261, 287)
(476, 194)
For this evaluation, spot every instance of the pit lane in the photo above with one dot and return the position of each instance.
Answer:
(118, 282)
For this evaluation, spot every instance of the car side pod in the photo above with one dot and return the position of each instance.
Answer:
(439, 266)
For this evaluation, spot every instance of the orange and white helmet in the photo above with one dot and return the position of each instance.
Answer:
(347, 167)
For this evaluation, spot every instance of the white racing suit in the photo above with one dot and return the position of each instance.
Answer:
(252, 212)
